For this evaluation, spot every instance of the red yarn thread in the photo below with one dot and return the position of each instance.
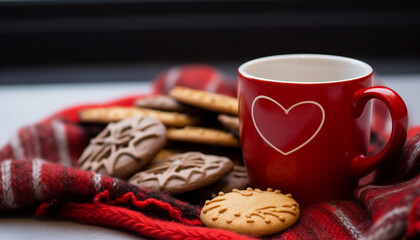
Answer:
(413, 221)
(130, 198)
(118, 217)
(42, 209)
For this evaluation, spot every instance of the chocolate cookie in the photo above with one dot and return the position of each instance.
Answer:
(124, 147)
(230, 122)
(183, 172)
(164, 153)
(236, 179)
(252, 211)
(164, 103)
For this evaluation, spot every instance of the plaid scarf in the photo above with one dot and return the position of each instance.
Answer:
(39, 175)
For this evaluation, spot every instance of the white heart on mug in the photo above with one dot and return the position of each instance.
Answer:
(286, 112)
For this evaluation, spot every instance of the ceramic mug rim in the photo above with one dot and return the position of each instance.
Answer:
(366, 69)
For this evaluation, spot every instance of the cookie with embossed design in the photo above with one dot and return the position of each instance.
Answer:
(165, 103)
(236, 179)
(124, 147)
(183, 172)
(165, 153)
(206, 100)
(114, 114)
(230, 122)
(251, 211)
(203, 135)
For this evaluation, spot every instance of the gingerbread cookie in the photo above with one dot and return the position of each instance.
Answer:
(252, 211)
(183, 172)
(164, 154)
(203, 136)
(164, 103)
(206, 100)
(236, 179)
(124, 147)
(230, 122)
(113, 114)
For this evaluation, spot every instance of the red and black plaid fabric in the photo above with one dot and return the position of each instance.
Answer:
(39, 174)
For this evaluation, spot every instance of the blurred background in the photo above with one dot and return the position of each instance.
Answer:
(136, 39)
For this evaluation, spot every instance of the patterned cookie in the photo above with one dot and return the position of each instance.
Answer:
(164, 154)
(183, 172)
(236, 179)
(206, 100)
(252, 211)
(230, 122)
(124, 147)
(203, 136)
(164, 103)
(113, 114)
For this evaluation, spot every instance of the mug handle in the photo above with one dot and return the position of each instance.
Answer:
(361, 164)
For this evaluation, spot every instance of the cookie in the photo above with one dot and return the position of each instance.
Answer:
(183, 172)
(113, 114)
(233, 153)
(230, 122)
(252, 211)
(236, 179)
(164, 103)
(164, 154)
(203, 136)
(124, 147)
(206, 100)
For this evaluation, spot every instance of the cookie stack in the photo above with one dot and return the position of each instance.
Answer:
(186, 142)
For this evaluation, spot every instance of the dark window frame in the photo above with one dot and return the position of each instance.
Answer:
(57, 32)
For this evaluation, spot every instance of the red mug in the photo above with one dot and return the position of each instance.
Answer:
(305, 124)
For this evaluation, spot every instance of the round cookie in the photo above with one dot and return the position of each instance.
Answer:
(183, 172)
(114, 114)
(206, 100)
(124, 147)
(236, 179)
(230, 122)
(203, 136)
(164, 103)
(252, 211)
(163, 154)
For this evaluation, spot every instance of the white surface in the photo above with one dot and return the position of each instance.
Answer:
(408, 87)
(22, 105)
(34, 229)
